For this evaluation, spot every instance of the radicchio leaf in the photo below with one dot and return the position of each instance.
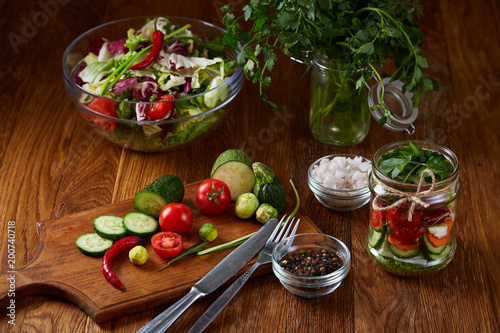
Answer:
(187, 85)
(77, 79)
(117, 46)
(176, 47)
(140, 111)
(144, 90)
(95, 45)
(123, 85)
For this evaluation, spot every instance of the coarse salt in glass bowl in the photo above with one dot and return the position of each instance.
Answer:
(341, 186)
(311, 286)
(149, 135)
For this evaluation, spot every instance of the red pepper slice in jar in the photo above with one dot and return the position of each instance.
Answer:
(124, 244)
(158, 38)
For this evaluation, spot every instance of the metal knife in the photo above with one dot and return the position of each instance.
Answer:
(224, 270)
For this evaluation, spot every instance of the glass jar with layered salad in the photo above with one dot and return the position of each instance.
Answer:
(414, 186)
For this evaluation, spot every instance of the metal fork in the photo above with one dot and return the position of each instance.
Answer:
(263, 258)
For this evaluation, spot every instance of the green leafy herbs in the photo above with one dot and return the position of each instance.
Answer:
(408, 162)
(362, 34)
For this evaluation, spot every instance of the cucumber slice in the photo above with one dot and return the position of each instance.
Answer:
(234, 167)
(110, 227)
(139, 224)
(431, 248)
(92, 244)
(440, 256)
(375, 237)
(404, 254)
(158, 194)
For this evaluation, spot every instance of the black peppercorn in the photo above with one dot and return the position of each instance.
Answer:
(313, 262)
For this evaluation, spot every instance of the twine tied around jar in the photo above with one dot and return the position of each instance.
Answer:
(414, 197)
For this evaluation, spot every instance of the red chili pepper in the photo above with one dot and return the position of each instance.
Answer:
(120, 246)
(158, 37)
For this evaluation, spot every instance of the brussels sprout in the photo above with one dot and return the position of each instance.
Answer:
(246, 205)
(138, 255)
(265, 212)
(208, 232)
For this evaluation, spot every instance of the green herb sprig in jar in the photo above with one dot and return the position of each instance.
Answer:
(358, 35)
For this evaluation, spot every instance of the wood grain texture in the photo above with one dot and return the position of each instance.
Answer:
(51, 166)
(59, 269)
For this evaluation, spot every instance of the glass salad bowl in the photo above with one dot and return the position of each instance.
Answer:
(152, 84)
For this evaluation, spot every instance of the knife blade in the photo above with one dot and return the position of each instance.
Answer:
(222, 272)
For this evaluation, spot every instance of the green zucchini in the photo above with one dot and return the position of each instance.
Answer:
(234, 168)
(139, 224)
(158, 194)
(110, 227)
(92, 244)
(268, 187)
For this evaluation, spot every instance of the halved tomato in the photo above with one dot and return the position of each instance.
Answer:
(377, 218)
(403, 246)
(160, 110)
(167, 244)
(105, 107)
(403, 229)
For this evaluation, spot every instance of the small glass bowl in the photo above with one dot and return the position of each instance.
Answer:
(339, 200)
(311, 286)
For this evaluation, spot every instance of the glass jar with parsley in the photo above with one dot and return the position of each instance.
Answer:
(414, 186)
(339, 114)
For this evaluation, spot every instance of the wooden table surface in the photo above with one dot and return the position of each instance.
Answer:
(52, 165)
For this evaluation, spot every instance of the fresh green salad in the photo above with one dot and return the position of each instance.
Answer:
(161, 71)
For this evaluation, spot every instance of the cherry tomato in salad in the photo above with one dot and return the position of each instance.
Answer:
(403, 246)
(105, 107)
(377, 218)
(402, 229)
(213, 196)
(160, 110)
(167, 244)
(176, 217)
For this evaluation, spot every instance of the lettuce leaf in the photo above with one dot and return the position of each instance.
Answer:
(96, 71)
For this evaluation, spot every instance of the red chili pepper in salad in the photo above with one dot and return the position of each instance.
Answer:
(124, 244)
(158, 38)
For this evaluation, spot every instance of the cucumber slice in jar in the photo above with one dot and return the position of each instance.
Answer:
(404, 254)
(92, 244)
(431, 248)
(375, 237)
(110, 227)
(140, 224)
(440, 256)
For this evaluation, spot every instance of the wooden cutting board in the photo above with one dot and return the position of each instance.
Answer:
(60, 269)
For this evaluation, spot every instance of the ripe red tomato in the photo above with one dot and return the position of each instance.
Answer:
(404, 246)
(213, 196)
(167, 244)
(377, 218)
(402, 229)
(160, 110)
(176, 217)
(105, 107)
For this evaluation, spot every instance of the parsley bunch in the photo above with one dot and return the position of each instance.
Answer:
(361, 33)
(408, 162)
